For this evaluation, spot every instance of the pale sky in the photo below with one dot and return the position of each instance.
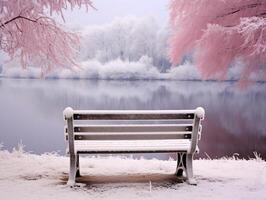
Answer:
(107, 10)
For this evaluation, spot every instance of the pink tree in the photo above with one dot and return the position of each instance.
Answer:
(29, 32)
(218, 32)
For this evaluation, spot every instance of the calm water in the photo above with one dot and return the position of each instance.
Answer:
(31, 110)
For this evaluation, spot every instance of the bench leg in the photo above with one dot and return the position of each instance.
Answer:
(72, 170)
(184, 163)
(78, 167)
(189, 170)
(180, 164)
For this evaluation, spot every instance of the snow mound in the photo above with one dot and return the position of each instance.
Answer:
(200, 112)
(68, 112)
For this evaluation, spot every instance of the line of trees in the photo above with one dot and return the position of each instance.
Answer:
(217, 33)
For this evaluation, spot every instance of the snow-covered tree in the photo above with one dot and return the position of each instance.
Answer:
(218, 32)
(29, 31)
(127, 39)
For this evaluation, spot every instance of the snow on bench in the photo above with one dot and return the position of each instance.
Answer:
(133, 131)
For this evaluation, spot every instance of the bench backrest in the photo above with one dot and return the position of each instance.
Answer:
(133, 125)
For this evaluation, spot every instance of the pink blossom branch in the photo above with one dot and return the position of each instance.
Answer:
(27, 32)
(219, 32)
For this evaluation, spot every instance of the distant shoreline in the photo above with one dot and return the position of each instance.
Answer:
(122, 79)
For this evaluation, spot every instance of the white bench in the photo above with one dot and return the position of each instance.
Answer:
(133, 131)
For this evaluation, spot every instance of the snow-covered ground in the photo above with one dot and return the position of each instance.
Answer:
(29, 176)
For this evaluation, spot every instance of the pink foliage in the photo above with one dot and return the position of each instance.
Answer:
(29, 32)
(218, 32)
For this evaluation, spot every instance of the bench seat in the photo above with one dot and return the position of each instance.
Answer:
(131, 146)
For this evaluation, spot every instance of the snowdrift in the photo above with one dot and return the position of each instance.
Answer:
(29, 176)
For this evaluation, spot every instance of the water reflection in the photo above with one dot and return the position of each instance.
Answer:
(31, 110)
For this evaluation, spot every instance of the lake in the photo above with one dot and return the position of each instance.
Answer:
(31, 110)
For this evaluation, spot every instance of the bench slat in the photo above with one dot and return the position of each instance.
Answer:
(130, 136)
(133, 128)
(139, 116)
(130, 151)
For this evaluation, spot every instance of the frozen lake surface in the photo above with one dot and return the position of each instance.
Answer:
(31, 110)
